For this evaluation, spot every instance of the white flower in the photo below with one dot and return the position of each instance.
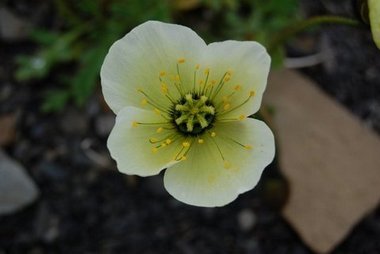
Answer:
(374, 17)
(183, 105)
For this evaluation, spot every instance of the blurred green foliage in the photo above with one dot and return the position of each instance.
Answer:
(91, 26)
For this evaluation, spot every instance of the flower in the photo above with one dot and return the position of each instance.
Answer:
(374, 18)
(183, 105)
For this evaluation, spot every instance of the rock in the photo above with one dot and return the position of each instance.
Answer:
(329, 158)
(12, 28)
(17, 189)
(246, 219)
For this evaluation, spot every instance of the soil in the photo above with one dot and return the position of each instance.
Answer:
(86, 206)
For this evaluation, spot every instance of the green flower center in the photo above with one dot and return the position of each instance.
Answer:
(193, 114)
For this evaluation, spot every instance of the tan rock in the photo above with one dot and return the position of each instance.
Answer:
(332, 161)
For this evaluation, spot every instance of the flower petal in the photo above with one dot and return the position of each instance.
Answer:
(205, 179)
(374, 16)
(129, 143)
(249, 64)
(135, 61)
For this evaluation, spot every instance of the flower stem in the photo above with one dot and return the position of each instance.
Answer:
(300, 26)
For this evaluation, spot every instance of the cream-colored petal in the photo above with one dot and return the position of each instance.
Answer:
(374, 16)
(135, 61)
(249, 64)
(130, 147)
(205, 179)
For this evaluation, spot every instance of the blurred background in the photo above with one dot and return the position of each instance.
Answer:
(68, 197)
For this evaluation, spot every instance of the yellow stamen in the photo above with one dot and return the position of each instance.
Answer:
(237, 88)
(242, 117)
(225, 99)
(159, 130)
(153, 140)
(185, 144)
(201, 82)
(207, 71)
(227, 164)
(213, 134)
(164, 88)
(248, 147)
(197, 66)
(227, 106)
(181, 60)
(163, 145)
(134, 124)
(144, 102)
(252, 93)
(154, 150)
(183, 158)
(201, 141)
(157, 111)
(227, 78)
(162, 73)
(168, 141)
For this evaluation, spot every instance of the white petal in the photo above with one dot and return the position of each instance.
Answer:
(249, 63)
(203, 180)
(374, 16)
(131, 148)
(135, 61)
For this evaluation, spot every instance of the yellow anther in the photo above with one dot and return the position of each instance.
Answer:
(248, 147)
(186, 144)
(252, 93)
(164, 88)
(229, 72)
(201, 82)
(201, 141)
(134, 124)
(176, 78)
(207, 71)
(227, 106)
(168, 141)
(227, 78)
(153, 140)
(162, 73)
(139, 90)
(183, 158)
(225, 99)
(181, 60)
(157, 111)
(227, 164)
(154, 149)
(159, 130)
(213, 134)
(163, 145)
(144, 102)
(242, 117)
(213, 82)
(237, 88)
(197, 66)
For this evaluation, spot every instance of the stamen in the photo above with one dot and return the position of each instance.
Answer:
(144, 102)
(186, 144)
(181, 60)
(164, 88)
(242, 117)
(153, 140)
(157, 111)
(162, 73)
(251, 93)
(197, 66)
(237, 88)
(154, 149)
(226, 164)
(200, 141)
(134, 124)
(248, 147)
(168, 141)
(213, 134)
(159, 130)
(226, 106)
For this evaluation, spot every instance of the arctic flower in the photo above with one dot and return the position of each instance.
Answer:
(184, 105)
(374, 17)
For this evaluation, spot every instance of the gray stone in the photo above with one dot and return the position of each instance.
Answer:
(17, 189)
(246, 219)
(12, 28)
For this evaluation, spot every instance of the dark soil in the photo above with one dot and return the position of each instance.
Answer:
(88, 207)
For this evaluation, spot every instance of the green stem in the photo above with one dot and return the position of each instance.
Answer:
(300, 26)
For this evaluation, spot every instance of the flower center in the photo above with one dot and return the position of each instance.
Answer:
(193, 114)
